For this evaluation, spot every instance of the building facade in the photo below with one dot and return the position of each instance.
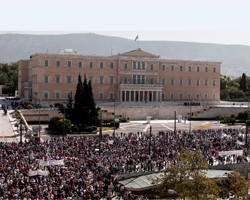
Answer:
(135, 76)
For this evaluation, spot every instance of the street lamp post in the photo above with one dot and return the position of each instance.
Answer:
(39, 127)
(150, 135)
(63, 120)
(174, 122)
(190, 115)
(114, 119)
(248, 105)
(247, 134)
(246, 137)
(100, 133)
(21, 134)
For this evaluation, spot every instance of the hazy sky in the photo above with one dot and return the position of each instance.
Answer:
(210, 21)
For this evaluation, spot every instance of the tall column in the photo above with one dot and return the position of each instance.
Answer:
(143, 94)
(129, 95)
(125, 95)
(139, 95)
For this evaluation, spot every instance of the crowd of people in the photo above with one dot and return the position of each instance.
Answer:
(91, 167)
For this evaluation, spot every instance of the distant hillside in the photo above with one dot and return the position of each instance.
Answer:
(235, 58)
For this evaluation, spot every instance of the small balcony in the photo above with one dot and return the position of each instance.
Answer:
(141, 87)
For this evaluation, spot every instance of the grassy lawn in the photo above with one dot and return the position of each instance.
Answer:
(105, 128)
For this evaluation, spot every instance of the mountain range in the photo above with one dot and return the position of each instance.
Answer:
(235, 58)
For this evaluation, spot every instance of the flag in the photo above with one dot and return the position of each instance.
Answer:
(136, 38)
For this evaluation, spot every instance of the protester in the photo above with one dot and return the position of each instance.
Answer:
(73, 167)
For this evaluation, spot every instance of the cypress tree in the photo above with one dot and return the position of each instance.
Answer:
(78, 112)
(85, 104)
(92, 105)
(243, 82)
(85, 112)
(69, 108)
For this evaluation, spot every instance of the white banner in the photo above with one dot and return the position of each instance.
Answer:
(56, 162)
(227, 153)
(44, 163)
(51, 162)
(32, 173)
(38, 172)
(42, 172)
(110, 141)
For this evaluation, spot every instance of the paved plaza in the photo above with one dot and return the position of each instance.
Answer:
(9, 132)
(164, 125)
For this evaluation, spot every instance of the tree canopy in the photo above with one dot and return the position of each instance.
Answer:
(82, 111)
(235, 89)
(8, 77)
(186, 176)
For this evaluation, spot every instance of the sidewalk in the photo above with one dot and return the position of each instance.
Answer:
(8, 131)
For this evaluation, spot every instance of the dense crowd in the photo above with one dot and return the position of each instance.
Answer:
(91, 168)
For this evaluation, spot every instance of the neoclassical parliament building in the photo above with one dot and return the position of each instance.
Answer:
(134, 76)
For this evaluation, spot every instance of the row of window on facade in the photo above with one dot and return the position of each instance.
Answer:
(80, 64)
(136, 79)
(138, 65)
(172, 96)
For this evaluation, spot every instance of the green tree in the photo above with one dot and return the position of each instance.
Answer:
(243, 116)
(63, 125)
(3, 78)
(69, 108)
(60, 125)
(223, 82)
(8, 77)
(186, 176)
(235, 92)
(229, 120)
(224, 95)
(78, 111)
(85, 112)
(93, 111)
(53, 124)
(243, 82)
(238, 185)
(234, 185)
(86, 102)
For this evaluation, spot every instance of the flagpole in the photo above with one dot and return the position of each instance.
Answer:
(136, 38)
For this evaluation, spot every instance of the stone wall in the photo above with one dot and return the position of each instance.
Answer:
(167, 112)
(42, 115)
(141, 112)
(242, 168)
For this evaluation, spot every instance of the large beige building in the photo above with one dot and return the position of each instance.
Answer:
(135, 76)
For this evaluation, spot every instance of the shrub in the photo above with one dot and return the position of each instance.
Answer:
(59, 125)
(74, 129)
(29, 106)
(229, 120)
